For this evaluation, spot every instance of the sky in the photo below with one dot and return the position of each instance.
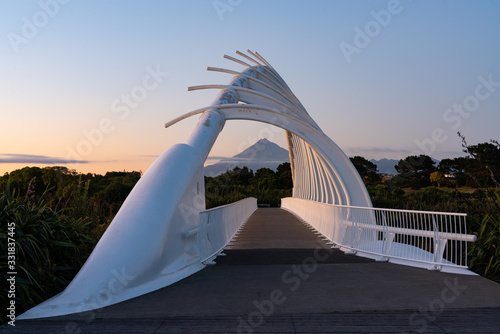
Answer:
(90, 84)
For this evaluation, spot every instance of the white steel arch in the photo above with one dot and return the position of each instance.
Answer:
(162, 232)
(320, 169)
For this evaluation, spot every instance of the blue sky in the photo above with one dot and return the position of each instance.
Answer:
(381, 78)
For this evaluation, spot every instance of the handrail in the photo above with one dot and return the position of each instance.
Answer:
(217, 226)
(394, 210)
(419, 233)
(436, 240)
(226, 205)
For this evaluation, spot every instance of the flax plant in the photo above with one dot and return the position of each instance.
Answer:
(50, 248)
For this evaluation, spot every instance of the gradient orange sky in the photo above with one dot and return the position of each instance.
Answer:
(94, 82)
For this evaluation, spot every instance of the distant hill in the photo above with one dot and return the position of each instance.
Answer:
(266, 154)
(386, 166)
(262, 154)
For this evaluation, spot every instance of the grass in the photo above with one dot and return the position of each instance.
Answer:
(484, 254)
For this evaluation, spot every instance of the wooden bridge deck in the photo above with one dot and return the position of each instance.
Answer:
(282, 278)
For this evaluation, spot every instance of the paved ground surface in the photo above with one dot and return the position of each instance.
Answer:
(282, 278)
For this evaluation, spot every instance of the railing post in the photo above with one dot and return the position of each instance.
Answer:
(439, 247)
(388, 239)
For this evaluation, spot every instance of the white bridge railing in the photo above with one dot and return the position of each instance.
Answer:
(434, 240)
(217, 226)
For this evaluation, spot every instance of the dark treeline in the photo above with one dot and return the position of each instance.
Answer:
(80, 195)
(266, 185)
(465, 184)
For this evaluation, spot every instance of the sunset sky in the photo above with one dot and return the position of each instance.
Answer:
(93, 82)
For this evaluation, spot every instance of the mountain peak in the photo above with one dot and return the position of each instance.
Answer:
(264, 149)
(263, 154)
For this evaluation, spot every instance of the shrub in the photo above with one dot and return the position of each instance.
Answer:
(50, 248)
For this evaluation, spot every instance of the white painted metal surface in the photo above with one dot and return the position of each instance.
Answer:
(219, 225)
(432, 240)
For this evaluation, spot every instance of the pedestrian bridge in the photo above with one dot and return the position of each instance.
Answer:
(163, 233)
(279, 275)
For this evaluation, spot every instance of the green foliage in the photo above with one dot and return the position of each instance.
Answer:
(80, 195)
(367, 170)
(284, 176)
(50, 248)
(484, 163)
(265, 185)
(484, 254)
(437, 177)
(427, 199)
(383, 196)
(457, 169)
(414, 171)
(59, 215)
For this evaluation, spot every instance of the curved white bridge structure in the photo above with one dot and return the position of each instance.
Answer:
(163, 233)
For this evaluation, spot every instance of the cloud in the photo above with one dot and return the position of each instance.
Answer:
(148, 156)
(9, 158)
(215, 158)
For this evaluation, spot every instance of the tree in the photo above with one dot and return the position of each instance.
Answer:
(27, 179)
(241, 176)
(415, 171)
(456, 168)
(366, 169)
(284, 176)
(54, 176)
(437, 177)
(266, 185)
(485, 163)
(264, 179)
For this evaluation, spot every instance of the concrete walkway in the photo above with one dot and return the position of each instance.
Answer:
(282, 278)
